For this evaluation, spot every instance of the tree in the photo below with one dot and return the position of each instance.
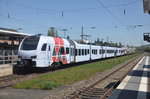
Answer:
(52, 32)
(120, 45)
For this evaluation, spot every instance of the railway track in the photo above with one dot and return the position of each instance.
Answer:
(7, 81)
(102, 88)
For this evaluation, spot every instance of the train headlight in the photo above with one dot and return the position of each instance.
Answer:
(33, 57)
(19, 57)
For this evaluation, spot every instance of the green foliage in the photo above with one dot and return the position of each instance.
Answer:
(147, 49)
(100, 42)
(71, 75)
(52, 32)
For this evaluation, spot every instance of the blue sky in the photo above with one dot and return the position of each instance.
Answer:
(116, 19)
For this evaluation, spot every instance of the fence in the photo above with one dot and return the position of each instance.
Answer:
(8, 59)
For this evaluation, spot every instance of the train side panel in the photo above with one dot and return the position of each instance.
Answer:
(95, 52)
(110, 52)
(82, 52)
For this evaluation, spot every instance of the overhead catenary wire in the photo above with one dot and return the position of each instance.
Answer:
(113, 15)
(66, 19)
(70, 10)
(62, 12)
(19, 20)
(110, 12)
(29, 7)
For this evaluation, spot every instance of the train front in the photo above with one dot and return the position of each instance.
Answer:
(27, 53)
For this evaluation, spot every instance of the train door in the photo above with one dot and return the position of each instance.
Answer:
(49, 53)
(90, 53)
(102, 52)
(72, 51)
(43, 53)
(72, 54)
(115, 52)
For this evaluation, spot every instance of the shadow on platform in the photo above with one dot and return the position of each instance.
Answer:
(129, 94)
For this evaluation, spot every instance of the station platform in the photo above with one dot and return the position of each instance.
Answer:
(6, 69)
(136, 85)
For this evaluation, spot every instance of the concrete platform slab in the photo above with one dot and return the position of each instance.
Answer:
(6, 69)
(135, 85)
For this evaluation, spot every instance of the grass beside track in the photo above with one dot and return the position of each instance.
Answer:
(71, 75)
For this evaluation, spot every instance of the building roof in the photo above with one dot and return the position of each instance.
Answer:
(11, 32)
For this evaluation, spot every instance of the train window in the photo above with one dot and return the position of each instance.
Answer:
(85, 51)
(67, 50)
(103, 51)
(107, 51)
(49, 48)
(72, 52)
(96, 51)
(79, 52)
(116, 51)
(76, 52)
(88, 51)
(54, 52)
(92, 51)
(30, 43)
(100, 52)
(110, 51)
(62, 50)
(44, 47)
(82, 51)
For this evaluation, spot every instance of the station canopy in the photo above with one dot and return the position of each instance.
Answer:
(5, 32)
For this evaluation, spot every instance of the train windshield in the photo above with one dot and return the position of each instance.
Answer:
(30, 43)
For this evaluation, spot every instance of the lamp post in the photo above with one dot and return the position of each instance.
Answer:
(93, 27)
(64, 32)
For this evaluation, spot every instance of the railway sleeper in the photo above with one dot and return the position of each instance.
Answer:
(88, 97)
(94, 93)
(91, 95)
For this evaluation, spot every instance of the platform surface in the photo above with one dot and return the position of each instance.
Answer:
(6, 69)
(136, 85)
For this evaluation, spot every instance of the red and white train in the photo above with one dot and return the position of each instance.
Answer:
(46, 51)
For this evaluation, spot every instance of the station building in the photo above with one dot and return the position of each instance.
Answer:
(9, 43)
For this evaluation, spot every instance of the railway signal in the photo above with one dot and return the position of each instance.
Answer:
(146, 37)
(146, 6)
